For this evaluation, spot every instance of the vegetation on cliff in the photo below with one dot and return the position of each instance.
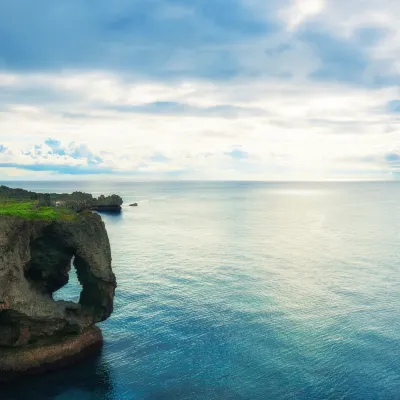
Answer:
(76, 201)
(33, 210)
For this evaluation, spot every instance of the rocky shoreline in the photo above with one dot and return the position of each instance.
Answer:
(38, 333)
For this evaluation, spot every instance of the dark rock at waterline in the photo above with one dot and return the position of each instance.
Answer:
(49, 354)
(133, 205)
(35, 259)
(106, 209)
(79, 201)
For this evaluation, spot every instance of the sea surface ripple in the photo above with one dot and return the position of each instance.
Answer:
(241, 290)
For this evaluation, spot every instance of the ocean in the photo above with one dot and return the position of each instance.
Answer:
(243, 290)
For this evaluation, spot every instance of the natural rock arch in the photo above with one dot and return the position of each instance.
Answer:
(35, 257)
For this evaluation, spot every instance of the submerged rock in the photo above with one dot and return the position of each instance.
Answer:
(35, 259)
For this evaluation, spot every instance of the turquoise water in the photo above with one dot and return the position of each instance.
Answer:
(244, 291)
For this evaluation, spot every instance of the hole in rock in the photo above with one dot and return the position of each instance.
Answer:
(50, 266)
(72, 290)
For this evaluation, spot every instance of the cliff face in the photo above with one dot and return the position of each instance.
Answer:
(35, 259)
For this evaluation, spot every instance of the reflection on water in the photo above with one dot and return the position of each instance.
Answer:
(91, 379)
(112, 216)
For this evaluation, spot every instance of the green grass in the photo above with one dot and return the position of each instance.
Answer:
(30, 210)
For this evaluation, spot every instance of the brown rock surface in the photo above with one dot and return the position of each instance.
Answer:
(49, 354)
(35, 258)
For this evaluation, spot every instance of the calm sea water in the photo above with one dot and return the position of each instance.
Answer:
(244, 291)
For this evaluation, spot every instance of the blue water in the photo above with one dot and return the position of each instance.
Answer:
(244, 291)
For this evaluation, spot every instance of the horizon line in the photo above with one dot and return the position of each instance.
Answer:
(205, 181)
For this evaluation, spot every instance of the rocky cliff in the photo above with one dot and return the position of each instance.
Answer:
(35, 259)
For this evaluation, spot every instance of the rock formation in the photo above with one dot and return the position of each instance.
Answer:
(37, 332)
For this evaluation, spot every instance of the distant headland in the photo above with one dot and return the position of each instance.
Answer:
(76, 201)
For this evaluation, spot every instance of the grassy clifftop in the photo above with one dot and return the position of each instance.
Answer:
(32, 210)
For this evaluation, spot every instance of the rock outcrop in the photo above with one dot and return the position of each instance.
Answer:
(78, 202)
(35, 259)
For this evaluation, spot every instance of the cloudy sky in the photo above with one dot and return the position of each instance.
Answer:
(199, 89)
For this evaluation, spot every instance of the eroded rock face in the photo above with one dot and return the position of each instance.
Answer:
(35, 259)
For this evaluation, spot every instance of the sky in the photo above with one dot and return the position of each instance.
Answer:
(200, 89)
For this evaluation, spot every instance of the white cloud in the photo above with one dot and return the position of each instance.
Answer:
(304, 130)
(300, 10)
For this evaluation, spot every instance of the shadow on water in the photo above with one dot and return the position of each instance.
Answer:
(91, 379)
(111, 216)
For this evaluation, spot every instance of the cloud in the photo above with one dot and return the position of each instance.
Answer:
(174, 108)
(144, 37)
(197, 129)
(159, 158)
(222, 39)
(244, 89)
(340, 59)
(392, 157)
(297, 12)
(388, 161)
(55, 146)
(52, 155)
(370, 35)
(393, 106)
(59, 169)
(393, 160)
(237, 154)
(33, 93)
